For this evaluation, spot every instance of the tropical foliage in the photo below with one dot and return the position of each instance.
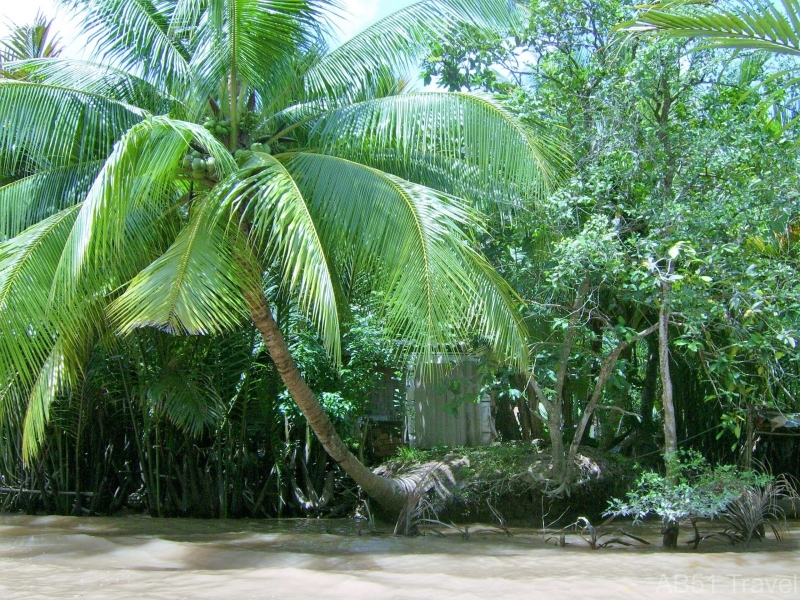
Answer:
(682, 196)
(215, 147)
(217, 235)
(30, 41)
(754, 25)
(741, 25)
(699, 491)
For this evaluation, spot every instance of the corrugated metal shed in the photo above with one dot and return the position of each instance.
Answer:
(449, 410)
(382, 405)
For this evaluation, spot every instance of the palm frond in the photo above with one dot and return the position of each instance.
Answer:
(284, 229)
(12, 417)
(27, 265)
(43, 341)
(185, 394)
(196, 286)
(54, 378)
(139, 178)
(751, 24)
(437, 291)
(284, 87)
(44, 127)
(136, 35)
(247, 38)
(29, 200)
(61, 372)
(100, 80)
(399, 41)
(30, 41)
(465, 144)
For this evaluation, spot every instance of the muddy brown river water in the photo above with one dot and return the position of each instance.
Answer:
(139, 557)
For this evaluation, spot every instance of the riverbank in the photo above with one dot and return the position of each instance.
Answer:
(511, 482)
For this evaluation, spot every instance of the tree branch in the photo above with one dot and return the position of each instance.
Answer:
(605, 372)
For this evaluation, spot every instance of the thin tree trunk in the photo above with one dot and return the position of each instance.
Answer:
(537, 424)
(558, 459)
(670, 427)
(555, 408)
(606, 369)
(387, 492)
(650, 386)
(747, 455)
(524, 417)
(662, 115)
(567, 408)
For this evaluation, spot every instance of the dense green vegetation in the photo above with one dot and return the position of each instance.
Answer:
(311, 181)
(682, 209)
(208, 257)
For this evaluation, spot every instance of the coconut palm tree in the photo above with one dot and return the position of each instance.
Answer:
(215, 143)
(30, 41)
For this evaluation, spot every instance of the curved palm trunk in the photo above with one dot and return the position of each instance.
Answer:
(387, 492)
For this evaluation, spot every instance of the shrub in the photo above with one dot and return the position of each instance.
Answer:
(697, 491)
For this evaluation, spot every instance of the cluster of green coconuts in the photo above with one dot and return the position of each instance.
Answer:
(219, 128)
(242, 154)
(201, 166)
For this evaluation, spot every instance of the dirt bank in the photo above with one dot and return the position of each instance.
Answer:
(512, 482)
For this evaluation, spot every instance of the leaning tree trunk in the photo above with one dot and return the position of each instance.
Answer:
(387, 492)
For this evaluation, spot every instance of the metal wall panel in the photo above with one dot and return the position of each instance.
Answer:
(448, 410)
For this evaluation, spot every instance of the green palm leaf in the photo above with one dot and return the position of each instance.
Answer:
(29, 41)
(463, 143)
(283, 88)
(60, 374)
(752, 24)
(196, 286)
(27, 201)
(27, 265)
(44, 341)
(43, 127)
(398, 42)
(54, 378)
(186, 397)
(100, 80)
(136, 35)
(283, 228)
(136, 186)
(247, 38)
(435, 286)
